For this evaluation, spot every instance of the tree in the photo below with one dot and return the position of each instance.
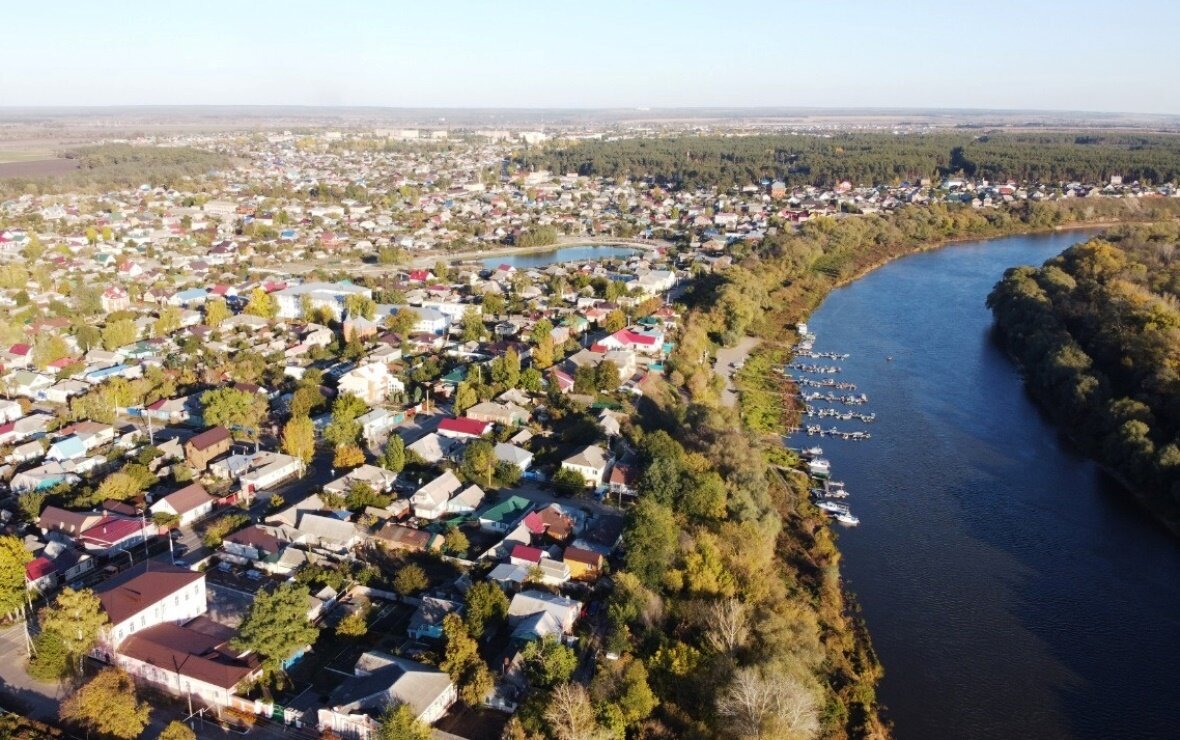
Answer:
(177, 730)
(607, 377)
(728, 625)
(569, 481)
(166, 322)
(261, 304)
(108, 705)
(548, 662)
(462, 663)
(570, 715)
(393, 458)
(354, 625)
(399, 723)
(614, 321)
(358, 304)
(410, 580)
(585, 380)
(31, 503)
(531, 380)
(216, 311)
(241, 411)
(51, 662)
(486, 606)
(344, 428)
(465, 398)
(276, 626)
(348, 456)
(479, 461)
(48, 349)
(506, 369)
(119, 334)
(624, 684)
(299, 438)
(763, 706)
(471, 328)
(77, 617)
(305, 399)
(651, 539)
(544, 353)
(455, 542)
(402, 322)
(13, 557)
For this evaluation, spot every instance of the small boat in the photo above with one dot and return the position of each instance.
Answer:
(819, 467)
(812, 452)
(831, 507)
(847, 519)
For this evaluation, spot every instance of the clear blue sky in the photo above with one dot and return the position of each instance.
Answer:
(1043, 54)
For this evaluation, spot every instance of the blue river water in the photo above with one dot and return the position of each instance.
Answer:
(1010, 587)
(564, 254)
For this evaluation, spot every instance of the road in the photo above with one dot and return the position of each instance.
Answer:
(727, 357)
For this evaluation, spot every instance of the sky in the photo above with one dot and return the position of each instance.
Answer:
(1082, 55)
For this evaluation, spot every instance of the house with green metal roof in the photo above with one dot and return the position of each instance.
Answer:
(505, 515)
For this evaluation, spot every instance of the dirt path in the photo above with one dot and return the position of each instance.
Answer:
(724, 366)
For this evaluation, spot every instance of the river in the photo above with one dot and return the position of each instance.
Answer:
(562, 254)
(1010, 589)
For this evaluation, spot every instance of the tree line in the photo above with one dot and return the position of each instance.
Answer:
(868, 158)
(117, 166)
(1097, 333)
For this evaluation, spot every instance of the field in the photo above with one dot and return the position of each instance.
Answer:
(35, 167)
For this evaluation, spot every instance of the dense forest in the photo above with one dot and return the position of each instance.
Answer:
(869, 158)
(1097, 332)
(116, 166)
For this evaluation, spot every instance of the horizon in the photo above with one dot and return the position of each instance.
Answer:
(612, 56)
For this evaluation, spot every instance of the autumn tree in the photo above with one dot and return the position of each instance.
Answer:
(261, 304)
(548, 662)
(479, 461)
(614, 321)
(13, 557)
(399, 723)
(348, 456)
(299, 438)
(358, 304)
(216, 311)
(241, 411)
(570, 716)
(410, 580)
(757, 705)
(471, 328)
(107, 705)
(177, 730)
(402, 322)
(119, 333)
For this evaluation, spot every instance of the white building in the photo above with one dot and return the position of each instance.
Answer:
(329, 296)
(591, 463)
(372, 383)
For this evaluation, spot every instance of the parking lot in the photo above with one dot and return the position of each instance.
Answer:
(227, 605)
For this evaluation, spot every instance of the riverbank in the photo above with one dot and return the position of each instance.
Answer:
(429, 259)
(773, 290)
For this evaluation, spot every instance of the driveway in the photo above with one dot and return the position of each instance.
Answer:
(727, 357)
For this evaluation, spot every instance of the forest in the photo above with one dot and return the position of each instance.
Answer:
(1096, 331)
(869, 158)
(116, 166)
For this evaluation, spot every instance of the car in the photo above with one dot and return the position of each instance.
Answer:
(180, 562)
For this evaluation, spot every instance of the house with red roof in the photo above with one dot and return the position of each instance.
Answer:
(115, 533)
(647, 342)
(464, 428)
(526, 556)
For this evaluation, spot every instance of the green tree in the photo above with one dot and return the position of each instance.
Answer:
(569, 481)
(624, 683)
(13, 557)
(487, 606)
(410, 580)
(118, 334)
(399, 723)
(650, 537)
(51, 661)
(261, 304)
(216, 311)
(77, 617)
(276, 626)
(607, 377)
(394, 455)
(306, 399)
(465, 398)
(49, 348)
(506, 369)
(479, 461)
(166, 322)
(344, 428)
(241, 411)
(299, 438)
(31, 503)
(402, 322)
(356, 624)
(471, 328)
(108, 706)
(462, 662)
(531, 380)
(548, 662)
(585, 380)
(544, 353)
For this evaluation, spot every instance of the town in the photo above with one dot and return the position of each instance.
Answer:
(346, 424)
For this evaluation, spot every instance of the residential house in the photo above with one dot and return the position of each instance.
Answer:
(430, 501)
(464, 428)
(191, 504)
(200, 450)
(426, 622)
(591, 463)
(400, 537)
(372, 383)
(354, 708)
(527, 606)
(583, 564)
(504, 516)
(115, 532)
(504, 414)
(513, 455)
(143, 597)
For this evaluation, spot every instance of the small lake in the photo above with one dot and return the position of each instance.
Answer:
(1010, 588)
(554, 256)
